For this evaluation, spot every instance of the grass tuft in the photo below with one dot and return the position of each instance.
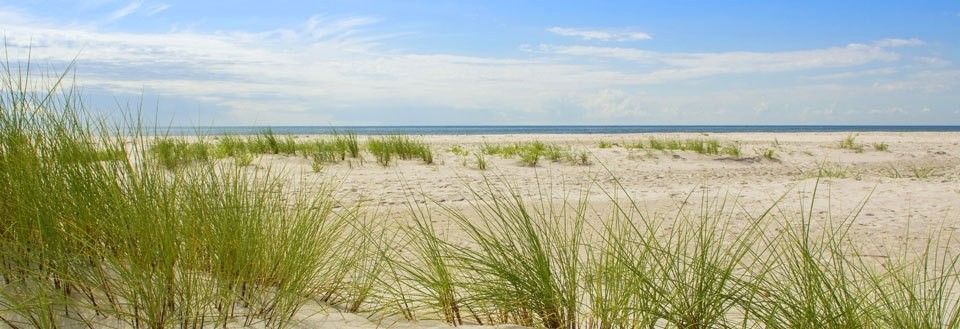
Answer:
(850, 143)
(384, 149)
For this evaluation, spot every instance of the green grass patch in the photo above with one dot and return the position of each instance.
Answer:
(529, 154)
(174, 153)
(881, 147)
(386, 149)
(697, 145)
(850, 143)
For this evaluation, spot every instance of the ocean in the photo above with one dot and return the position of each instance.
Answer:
(502, 130)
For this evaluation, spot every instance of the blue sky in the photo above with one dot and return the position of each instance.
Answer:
(504, 62)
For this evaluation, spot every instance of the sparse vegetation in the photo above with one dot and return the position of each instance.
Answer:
(832, 170)
(582, 159)
(529, 153)
(850, 143)
(914, 170)
(881, 147)
(459, 151)
(767, 154)
(604, 144)
(732, 151)
(384, 149)
(700, 146)
(481, 161)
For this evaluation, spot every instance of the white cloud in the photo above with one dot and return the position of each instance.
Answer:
(156, 9)
(892, 43)
(885, 71)
(125, 11)
(601, 35)
(613, 103)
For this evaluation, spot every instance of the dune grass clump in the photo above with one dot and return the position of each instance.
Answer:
(174, 153)
(230, 146)
(348, 143)
(426, 277)
(530, 153)
(697, 145)
(732, 151)
(128, 242)
(691, 277)
(881, 147)
(267, 142)
(459, 151)
(766, 154)
(481, 161)
(850, 143)
(384, 149)
(525, 267)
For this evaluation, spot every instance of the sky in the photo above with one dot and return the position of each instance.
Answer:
(501, 62)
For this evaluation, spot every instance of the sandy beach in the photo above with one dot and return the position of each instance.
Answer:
(912, 187)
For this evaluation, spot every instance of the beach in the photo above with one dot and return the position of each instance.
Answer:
(914, 180)
(894, 197)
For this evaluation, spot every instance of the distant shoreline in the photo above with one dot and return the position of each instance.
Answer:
(543, 129)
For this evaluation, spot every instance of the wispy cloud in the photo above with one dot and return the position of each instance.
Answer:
(600, 34)
(125, 11)
(671, 66)
(894, 43)
(156, 9)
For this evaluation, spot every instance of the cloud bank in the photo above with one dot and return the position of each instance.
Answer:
(327, 67)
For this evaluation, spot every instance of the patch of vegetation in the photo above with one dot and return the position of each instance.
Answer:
(605, 144)
(582, 159)
(174, 153)
(459, 151)
(767, 154)
(133, 244)
(850, 143)
(481, 161)
(530, 153)
(832, 170)
(731, 150)
(697, 145)
(917, 171)
(243, 159)
(384, 149)
(881, 147)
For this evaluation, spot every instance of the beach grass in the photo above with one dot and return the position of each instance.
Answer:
(388, 148)
(530, 153)
(697, 145)
(881, 146)
(766, 153)
(481, 161)
(128, 240)
(850, 143)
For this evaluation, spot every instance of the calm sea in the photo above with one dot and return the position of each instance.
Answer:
(500, 130)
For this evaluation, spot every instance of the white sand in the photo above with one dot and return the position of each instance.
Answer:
(660, 180)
